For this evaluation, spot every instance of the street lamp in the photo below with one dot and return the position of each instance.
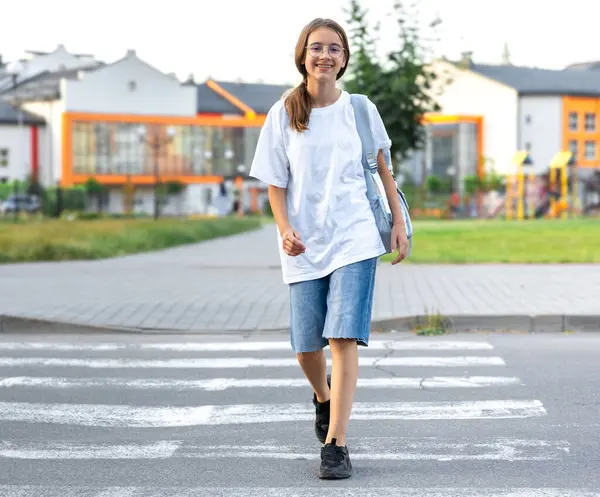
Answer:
(156, 143)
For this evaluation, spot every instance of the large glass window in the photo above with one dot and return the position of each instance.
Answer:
(130, 148)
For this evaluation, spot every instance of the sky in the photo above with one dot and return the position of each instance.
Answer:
(253, 40)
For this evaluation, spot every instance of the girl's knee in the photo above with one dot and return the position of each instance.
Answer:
(342, 343)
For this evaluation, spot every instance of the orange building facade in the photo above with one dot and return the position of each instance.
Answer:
(581, 130)
(108, 148)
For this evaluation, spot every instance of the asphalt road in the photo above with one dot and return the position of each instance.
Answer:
(164, 416)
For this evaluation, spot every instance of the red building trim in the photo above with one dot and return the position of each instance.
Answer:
(35, 152)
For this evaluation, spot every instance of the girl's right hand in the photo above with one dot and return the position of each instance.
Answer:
(292, 244)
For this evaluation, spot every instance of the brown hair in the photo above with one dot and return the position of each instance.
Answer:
(298, 103)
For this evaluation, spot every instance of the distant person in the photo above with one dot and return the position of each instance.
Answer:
(454, 203)
(237, 202)
(223, 204)
(309, 153)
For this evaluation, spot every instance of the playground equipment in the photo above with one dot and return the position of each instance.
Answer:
(591, 194)
(559, 195)
(515, 186)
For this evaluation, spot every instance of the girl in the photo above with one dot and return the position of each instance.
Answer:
(309, 153)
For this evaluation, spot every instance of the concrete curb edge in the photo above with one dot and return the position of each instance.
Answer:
(491, 323)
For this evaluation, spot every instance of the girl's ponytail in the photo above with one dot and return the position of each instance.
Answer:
(298, 105)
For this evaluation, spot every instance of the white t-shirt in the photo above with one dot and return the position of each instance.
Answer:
(326, 192)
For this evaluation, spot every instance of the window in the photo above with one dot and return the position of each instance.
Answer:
(590, 122)
(574, 148)
(128, 150)
(118, 148)
(103, 144)
(590, 150)
(573, 121)
(3, 157)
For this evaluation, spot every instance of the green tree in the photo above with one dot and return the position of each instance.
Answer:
(401, 83)
(95, 190)
(364, 71)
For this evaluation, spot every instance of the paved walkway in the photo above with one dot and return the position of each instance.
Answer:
(235, 284)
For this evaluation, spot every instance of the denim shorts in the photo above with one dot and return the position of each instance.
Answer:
(338, 305)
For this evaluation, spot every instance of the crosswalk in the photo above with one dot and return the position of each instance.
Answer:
(79, 404)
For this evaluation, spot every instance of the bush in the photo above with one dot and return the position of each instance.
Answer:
(434, 184)
(493, 181)
(472, 184)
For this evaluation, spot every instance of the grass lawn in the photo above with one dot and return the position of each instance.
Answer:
(54, 240)
(535, 241)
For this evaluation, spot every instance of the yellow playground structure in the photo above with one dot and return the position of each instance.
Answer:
(519, 183)
(558, 185)
(515, 185)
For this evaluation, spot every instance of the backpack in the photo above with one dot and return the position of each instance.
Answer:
(376, 193)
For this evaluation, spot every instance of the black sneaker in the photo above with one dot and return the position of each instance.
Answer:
(335, 462)
(322, 419)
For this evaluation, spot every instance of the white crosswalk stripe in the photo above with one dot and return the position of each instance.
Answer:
(62, 384)
(162, 417)
(368, 449)
(220, 384)
(23, 491)
(248, 346)
(242, 362)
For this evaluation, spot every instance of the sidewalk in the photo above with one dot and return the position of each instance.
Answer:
(235, 284)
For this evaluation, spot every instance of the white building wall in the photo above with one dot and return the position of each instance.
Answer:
(17, 140)
(129, 86)
(50, 140)
(175, 205)
(540, 128)
(471, 94)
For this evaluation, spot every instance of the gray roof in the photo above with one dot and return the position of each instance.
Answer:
(10, 115)
(534, 81)
(259, 97)
(588, 66)
(45, 85)
(207, 101)
(44, 52)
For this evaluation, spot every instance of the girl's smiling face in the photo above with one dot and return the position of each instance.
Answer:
(325, 55)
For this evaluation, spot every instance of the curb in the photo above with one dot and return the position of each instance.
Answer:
(19, 324)
(460, 323)
(554, 323)
(25, 325)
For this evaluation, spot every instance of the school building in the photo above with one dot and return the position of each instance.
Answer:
(489, 112)
(66, 118)
(128, 125)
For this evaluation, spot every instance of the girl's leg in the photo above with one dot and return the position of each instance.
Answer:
(344, 375)
(314, 367)
(308, 310)
(348, 323)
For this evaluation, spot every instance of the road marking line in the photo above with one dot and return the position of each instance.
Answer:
(77, 450)
(302, 491)
(375, 449)
(242, 362)
(220, 384)
(157, 417)
(239, 346)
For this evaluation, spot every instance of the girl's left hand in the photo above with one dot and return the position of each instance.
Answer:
(400, 242)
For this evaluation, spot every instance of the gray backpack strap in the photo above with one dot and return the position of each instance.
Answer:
(361, 115)
(369, 162)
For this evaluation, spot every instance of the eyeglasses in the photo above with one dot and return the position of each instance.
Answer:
(316, 49)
